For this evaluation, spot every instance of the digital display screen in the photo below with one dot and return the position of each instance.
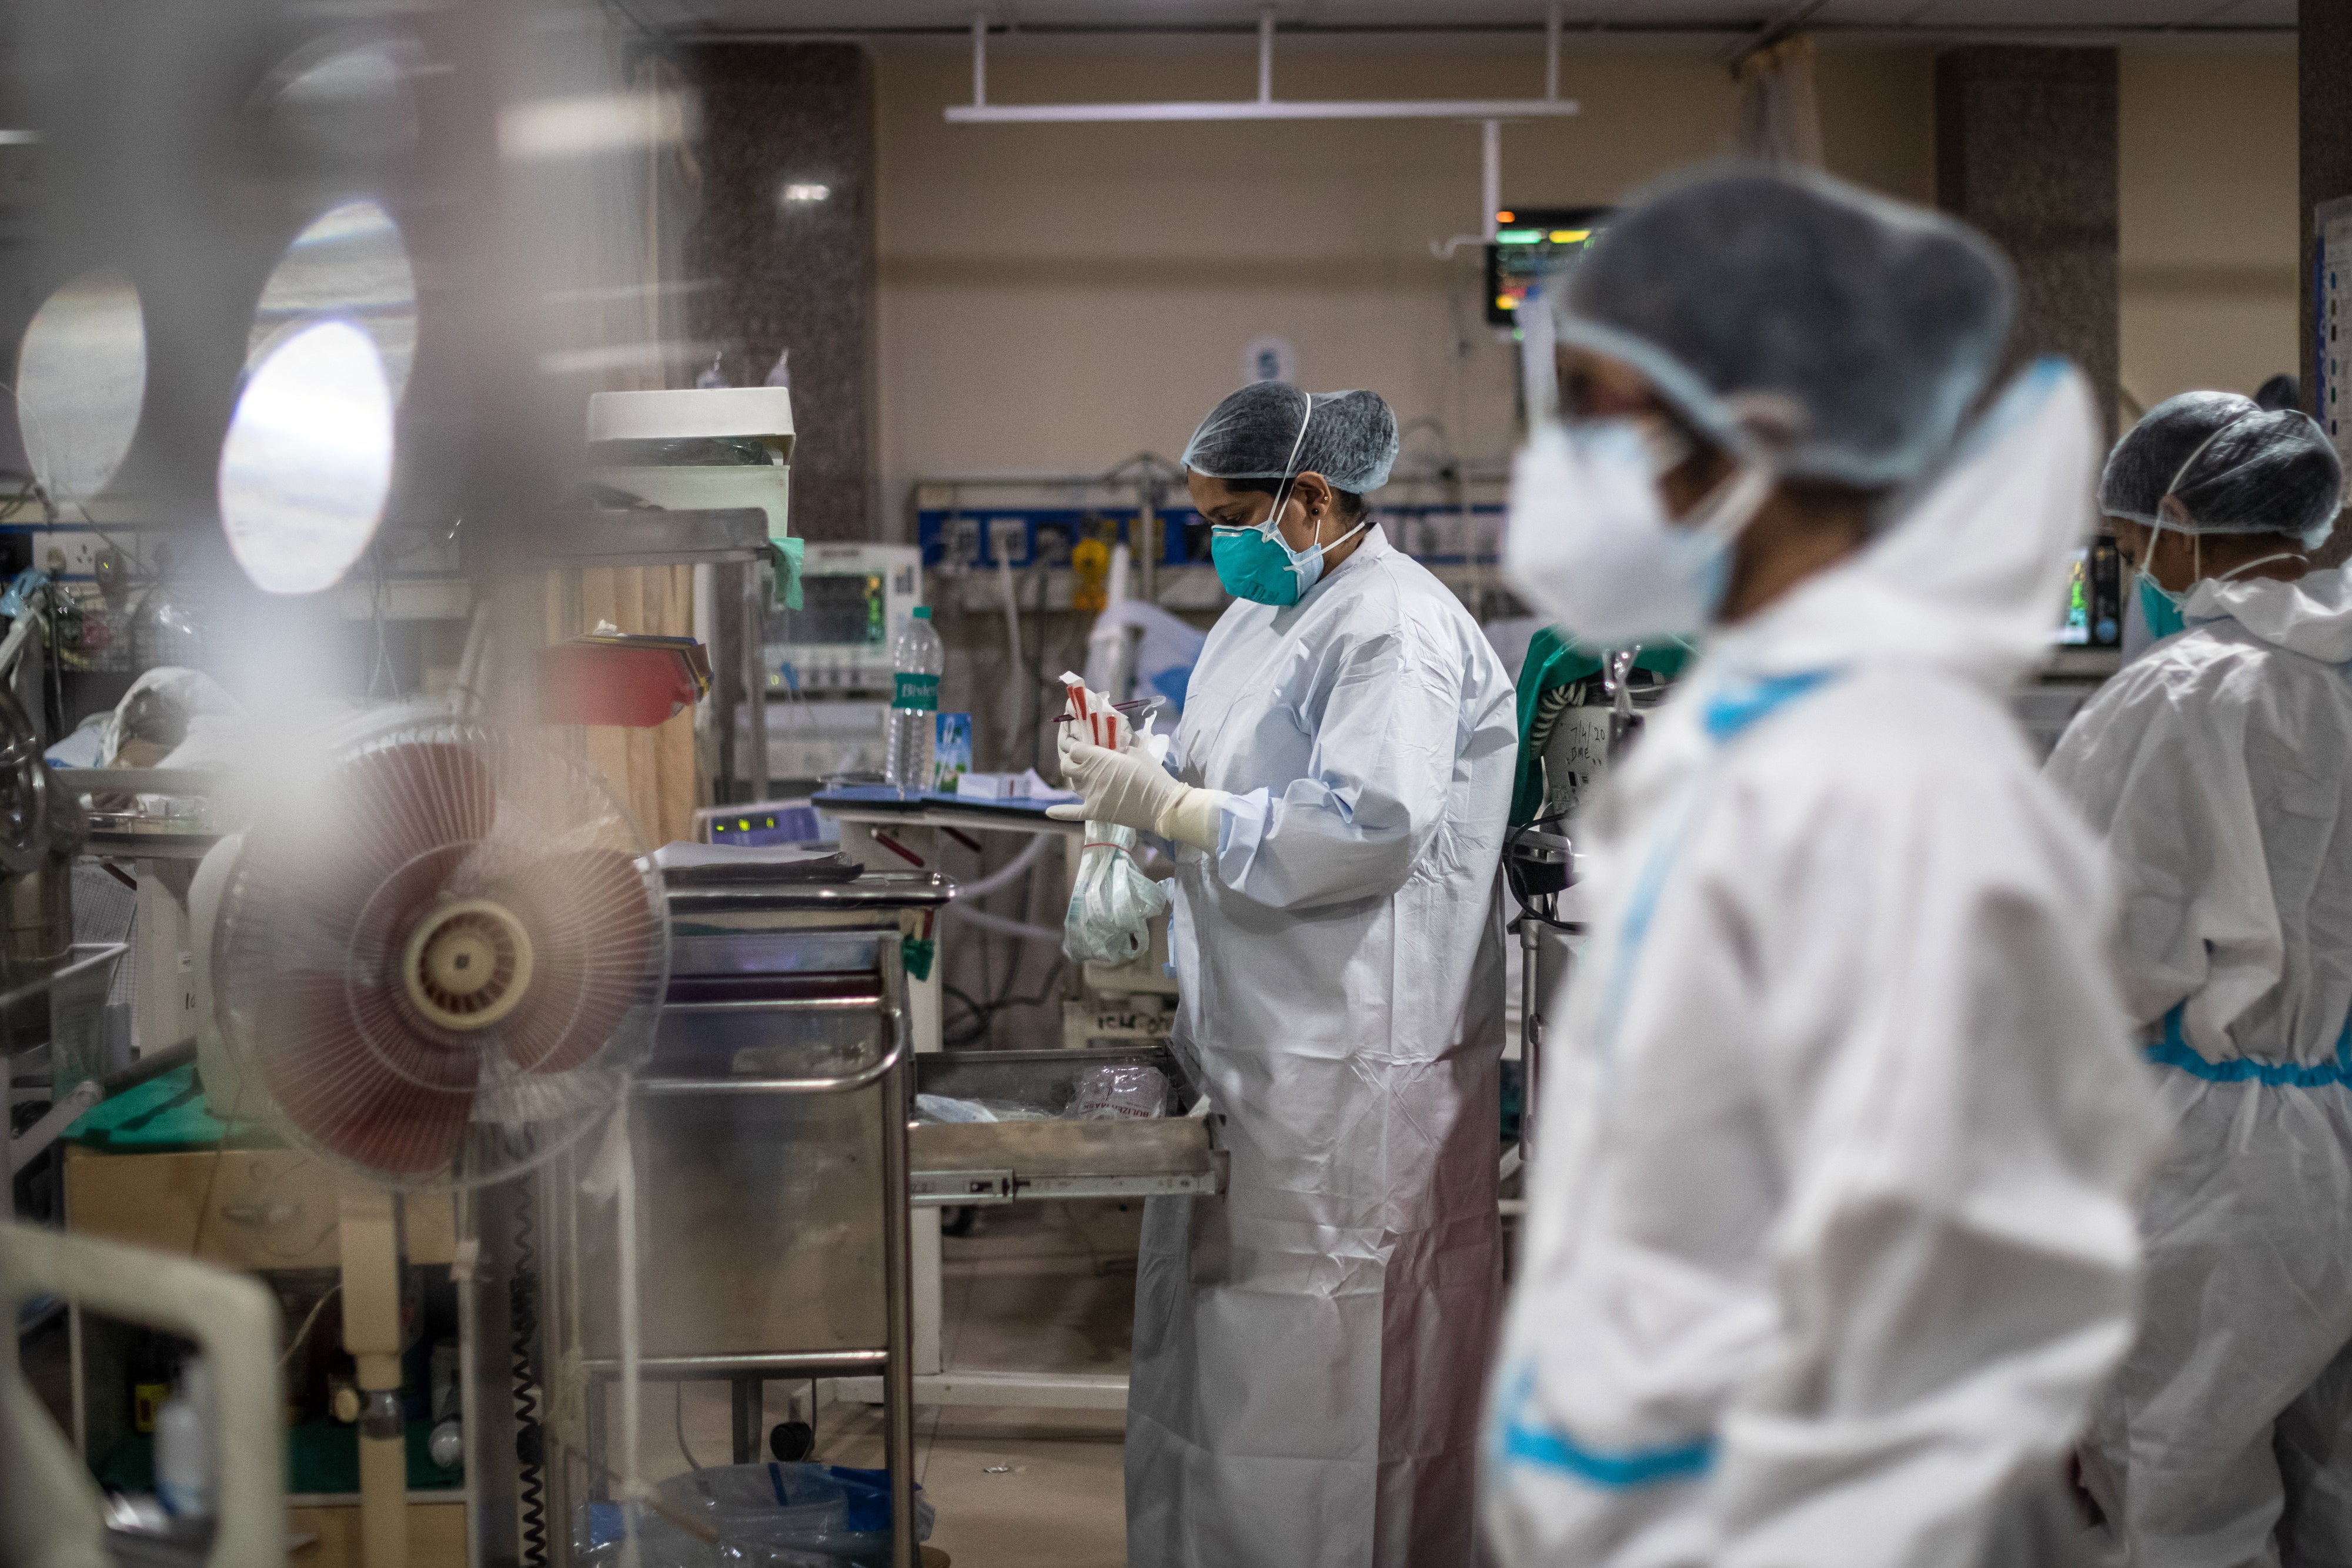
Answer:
(2092, 614)
(835, 610)
(1531, 245)
(2074, 625)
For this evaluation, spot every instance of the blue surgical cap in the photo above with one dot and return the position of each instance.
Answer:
(1351, 440)
(2236, 467)
(1797, 318)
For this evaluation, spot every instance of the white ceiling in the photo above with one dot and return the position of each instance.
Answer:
(1671, 16)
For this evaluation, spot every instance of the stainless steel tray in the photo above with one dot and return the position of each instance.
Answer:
(656, 536)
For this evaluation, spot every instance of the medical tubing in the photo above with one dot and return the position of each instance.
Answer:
(531, 1437)
(1003, 874)
(1003, 926)
(1014, 683)
(1037, 723)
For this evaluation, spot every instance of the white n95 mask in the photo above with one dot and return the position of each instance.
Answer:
(1589, 540)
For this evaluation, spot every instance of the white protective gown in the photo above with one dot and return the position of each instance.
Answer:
(1308, 1346)
(2219, 766)
(1831, 1239)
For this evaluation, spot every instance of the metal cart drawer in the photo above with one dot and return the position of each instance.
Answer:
(998, 1162)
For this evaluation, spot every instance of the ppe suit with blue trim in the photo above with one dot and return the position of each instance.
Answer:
(2216, 767)
(1308, 1346)
(1831, 1236)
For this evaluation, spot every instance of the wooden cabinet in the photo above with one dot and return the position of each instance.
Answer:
(242, 1208)
(437, 1533)
(259, 1210)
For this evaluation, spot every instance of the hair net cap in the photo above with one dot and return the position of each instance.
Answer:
(1351, 440)
(1795, 317)
(2236, 467)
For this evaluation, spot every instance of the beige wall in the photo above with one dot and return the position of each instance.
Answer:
(1059, 297)
(2208, 266)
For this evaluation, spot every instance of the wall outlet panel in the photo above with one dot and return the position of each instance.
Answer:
(80, 547)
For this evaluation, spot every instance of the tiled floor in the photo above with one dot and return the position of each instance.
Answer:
(1036, 1288)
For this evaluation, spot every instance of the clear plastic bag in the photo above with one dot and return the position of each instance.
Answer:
(944, 1108)
(766, 1516)
(1109, 919)
(1126, 1092)
(1113, 902)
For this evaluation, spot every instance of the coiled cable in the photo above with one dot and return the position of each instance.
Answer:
(530, 1434)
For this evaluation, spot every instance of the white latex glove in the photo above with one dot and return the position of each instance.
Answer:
(1130, 790)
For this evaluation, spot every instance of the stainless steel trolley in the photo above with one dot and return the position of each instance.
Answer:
(770, 1127)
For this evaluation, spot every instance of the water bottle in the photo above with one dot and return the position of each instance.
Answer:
(187, 1474)
(919, 660)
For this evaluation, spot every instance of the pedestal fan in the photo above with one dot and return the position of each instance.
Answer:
(433, 959)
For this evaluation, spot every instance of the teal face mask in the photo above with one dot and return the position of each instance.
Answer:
(1257, 564)
(2159, 605)
(2160, 608)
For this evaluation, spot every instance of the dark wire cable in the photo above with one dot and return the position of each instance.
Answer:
(985, 1013)
(677, 1419)
(1542, 908)
(531, 1437)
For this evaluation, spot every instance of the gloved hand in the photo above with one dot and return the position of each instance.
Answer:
(1128, 789)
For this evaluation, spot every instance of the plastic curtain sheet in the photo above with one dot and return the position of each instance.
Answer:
(1776, 117)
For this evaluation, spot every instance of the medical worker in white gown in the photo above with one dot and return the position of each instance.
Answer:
(2219, 766)
(1309, 1346)
(1832, 1237)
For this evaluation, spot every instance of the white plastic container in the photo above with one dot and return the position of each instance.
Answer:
(187, 1471)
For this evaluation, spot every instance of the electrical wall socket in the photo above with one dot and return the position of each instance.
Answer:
(78, 547)
(962, 543)
(1008, 540)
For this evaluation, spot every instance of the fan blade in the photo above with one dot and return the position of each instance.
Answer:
(406, 800)
(590, 932)
(346, 1072)
(397, 823)
(359, 921)
(401, 897)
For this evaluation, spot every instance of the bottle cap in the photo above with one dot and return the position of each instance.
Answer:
(922, 612)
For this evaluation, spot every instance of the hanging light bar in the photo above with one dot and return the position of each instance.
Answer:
(1265, 106)
(1401, 108)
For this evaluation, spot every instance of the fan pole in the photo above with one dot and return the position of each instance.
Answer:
(371, 1247)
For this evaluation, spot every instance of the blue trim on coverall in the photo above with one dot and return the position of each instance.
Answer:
(2174, 1050)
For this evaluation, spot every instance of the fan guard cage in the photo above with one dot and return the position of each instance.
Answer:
(354, 926)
